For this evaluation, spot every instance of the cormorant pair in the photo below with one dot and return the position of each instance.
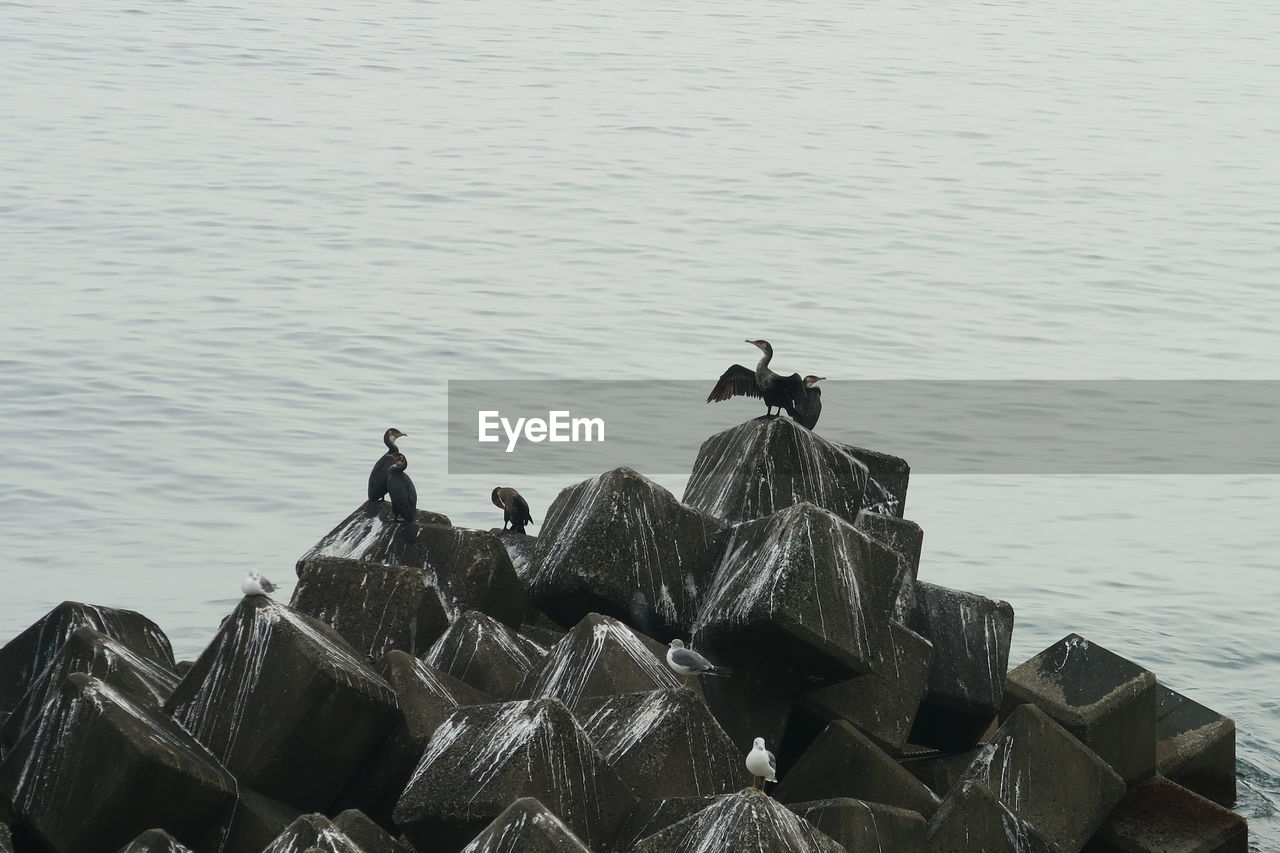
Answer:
(388, 476)
(801, 398)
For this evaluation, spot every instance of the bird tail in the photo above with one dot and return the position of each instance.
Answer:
(722, 671)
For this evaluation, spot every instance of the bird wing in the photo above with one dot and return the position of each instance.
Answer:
(793, 387)
(689, 659)
(267, 585)
(737, 381)
(773, 762)
(412, 492)
(378, 477)
(522, 508)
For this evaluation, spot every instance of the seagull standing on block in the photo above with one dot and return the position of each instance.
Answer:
(256, 584)
(688, 662)
(762, 764)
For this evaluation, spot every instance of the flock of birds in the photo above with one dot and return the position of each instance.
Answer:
(799, 398)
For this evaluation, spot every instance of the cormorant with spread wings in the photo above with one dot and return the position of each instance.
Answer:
(782, 392)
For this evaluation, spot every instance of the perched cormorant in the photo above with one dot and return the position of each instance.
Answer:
(256, 584)
(808, 414)
(784, 392)
(515, 509)
(404, 497)
(762, 765)
(688, 662)
(378, 476)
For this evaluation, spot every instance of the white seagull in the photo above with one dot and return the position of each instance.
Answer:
(762, 764)
(256, 584)
(688, 662)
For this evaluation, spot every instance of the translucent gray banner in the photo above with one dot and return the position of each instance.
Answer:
(574, 427)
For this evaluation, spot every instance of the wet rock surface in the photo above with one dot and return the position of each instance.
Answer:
(375, 608)
(285, 704)
(621, 545)
(765, 465)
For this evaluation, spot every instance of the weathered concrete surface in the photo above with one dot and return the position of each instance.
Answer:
(664, 744)
(621, 545)
(284, 702)
(484, 757)
(426, 698)
(26, 655)
(651, 816)
(375, 608)
(859, 825)
(938, 770)
(905, 538)
(765, 465)
(970, 635)
(367, 835)
(800, 596)
(843, 762)
(1196, 747)
(882, 703)
(1163, 817)
(487, 655)
(310, 832)
(99, 769)
(1106, 701)
(155, 841)
(519, 548)
(471, 567)
(93, 653)
(527, 826)
(736, 823)
(748, 708)
(251, 822)
(1047, 777)
(6, 839)
(972, 819)
(601, 656)
(888, 476)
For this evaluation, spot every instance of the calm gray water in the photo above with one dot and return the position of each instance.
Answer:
(239, 240)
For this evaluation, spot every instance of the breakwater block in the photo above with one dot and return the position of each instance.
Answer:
(375, 608)
(621, 545)
(1108, 702)
(1196, 747)
(765, 465)
(940, 771)
(312, 831)
(487, 655)
(1047, 777)
(519, 548)
(905, 538)
(26, 655)
(859, 825)
(155, 841)
(1164, 817)
(471, 567)
(843, 762)
(973, 819)
(887, 479)
(367, 835)
(651, 816)
(527, 826)
(882, 703)
(96, 654)
(748, 708)
(801, 595)
(285, 703)
(99, 769)
(665, 744)
(426, 697)
(250, 823)
(601, 656)
(483, 758)
(740, 822)
(971, 636)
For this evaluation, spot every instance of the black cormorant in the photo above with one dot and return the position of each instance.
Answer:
(404, 497)
(515, 509)
(808, 414)
(784, 392)
(378, 476)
